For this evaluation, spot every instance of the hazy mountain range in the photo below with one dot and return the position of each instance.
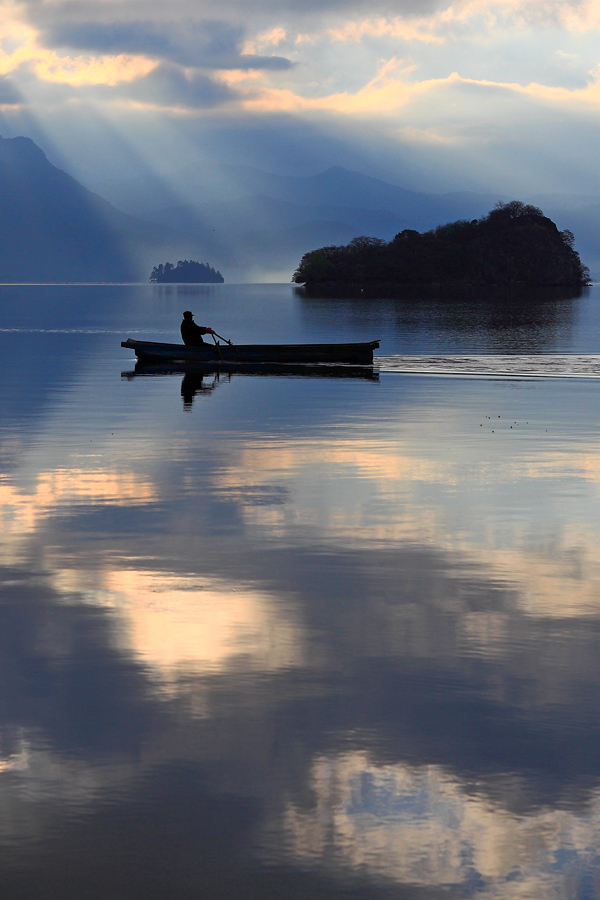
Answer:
(250, 224)
(52, 229)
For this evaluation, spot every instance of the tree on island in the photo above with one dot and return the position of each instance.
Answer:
(187, 271)
(514, 244)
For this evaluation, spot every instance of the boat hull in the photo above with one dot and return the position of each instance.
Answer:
(354, 354)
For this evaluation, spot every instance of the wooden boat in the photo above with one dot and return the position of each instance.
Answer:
(355, 354)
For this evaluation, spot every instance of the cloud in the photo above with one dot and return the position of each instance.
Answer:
(440, 82)
(394, 88)
(49, 12)
(37, 92)
(425, 828)
(50, 82)
(207, 44)
(9, 95)
(171, 86)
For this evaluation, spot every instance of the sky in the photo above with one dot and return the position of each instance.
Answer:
(489, 95)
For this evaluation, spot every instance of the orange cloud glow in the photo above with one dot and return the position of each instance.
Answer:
(73, 70)
(186, 624)
(390, 92)
(21, 512)
(382, 27)
(80, 70)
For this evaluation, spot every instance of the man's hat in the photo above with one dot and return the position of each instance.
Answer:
(188, 315)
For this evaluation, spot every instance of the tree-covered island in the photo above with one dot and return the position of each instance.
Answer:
(514, 244)
(187, 271)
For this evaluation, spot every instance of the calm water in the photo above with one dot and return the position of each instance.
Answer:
(285, 637)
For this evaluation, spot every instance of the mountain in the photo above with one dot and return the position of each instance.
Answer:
(206, 184)
(258, 234)
(250, 224)
(258, 223)
(52, 229)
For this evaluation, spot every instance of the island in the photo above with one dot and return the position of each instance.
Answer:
(187, 271)
(515, 243)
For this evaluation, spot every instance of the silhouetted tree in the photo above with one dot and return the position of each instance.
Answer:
(512, 210)
(513, 244)
(187, 271)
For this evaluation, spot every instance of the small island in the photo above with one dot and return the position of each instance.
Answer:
(514, 244)
(187, 271)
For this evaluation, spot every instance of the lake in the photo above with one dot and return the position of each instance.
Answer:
(271, 636)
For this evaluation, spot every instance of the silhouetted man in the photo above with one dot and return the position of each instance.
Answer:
(192, 333)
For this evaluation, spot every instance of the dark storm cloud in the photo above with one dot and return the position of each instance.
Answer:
(169, 85)
(208, 44)
(166, 85)
(81, 11)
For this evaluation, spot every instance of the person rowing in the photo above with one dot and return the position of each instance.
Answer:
(191, 333)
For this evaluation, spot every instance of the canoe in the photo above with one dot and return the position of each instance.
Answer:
(356, 354)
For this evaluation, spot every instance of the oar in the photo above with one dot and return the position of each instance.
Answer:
(218, 346)
(223, 339)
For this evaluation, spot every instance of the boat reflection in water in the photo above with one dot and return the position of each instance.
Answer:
(203, 378)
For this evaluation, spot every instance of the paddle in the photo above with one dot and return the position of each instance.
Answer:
(222, 339)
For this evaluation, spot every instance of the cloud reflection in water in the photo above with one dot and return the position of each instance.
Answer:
(374, 634)
(420, 826)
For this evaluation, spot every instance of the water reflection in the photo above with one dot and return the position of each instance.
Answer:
(333, 637)
(192, 384)
(457, 319)
(24, 509)
(419, 826)
(456, 296)
(187, 625)
(202, 379)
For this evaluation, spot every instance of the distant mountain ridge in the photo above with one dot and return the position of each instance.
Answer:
(211, 183)
(251, 224)
(256, 220)
(254, 223)
(53, 229)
